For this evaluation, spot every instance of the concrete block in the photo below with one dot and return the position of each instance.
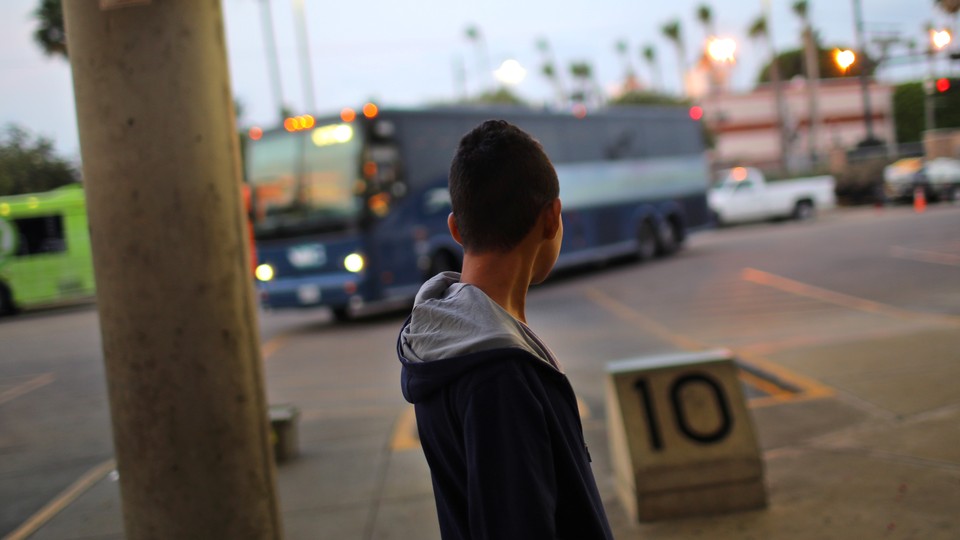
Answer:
(284, 432)
(682, 441)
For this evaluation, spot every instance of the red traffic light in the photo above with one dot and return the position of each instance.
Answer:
(943, 84)
(696, 112)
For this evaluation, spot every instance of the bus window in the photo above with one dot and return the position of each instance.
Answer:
(330, 174)
(39, 235)
(273, 174)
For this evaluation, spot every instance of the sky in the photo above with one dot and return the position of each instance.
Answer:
(409, 54)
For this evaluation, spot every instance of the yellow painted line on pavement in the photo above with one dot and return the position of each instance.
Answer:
(645, 323)
(272, 346)
(405, 435)
(934, 257)
(807, 387)
(844, 300)
(61, 501)
(26, 387)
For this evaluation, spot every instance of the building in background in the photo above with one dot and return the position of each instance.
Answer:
(745, 124)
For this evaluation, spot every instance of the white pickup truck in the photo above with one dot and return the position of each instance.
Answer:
(743, 194)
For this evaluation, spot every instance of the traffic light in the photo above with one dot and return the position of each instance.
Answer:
(943, 86)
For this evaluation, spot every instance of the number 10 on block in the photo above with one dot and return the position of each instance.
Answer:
(681, 437)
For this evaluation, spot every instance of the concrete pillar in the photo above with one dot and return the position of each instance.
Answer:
(177, 311)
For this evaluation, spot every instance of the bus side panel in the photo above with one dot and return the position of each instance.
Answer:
(54, 264)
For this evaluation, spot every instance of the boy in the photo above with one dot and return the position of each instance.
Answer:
(497, 418)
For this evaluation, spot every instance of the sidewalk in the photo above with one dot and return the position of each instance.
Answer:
(878, 459)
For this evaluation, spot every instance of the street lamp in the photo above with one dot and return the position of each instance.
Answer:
(510, 73)
(844, 58)
(721, 50)
(940, 38)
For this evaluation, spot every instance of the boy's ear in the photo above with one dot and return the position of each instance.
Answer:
(454, 231)
(551, 217)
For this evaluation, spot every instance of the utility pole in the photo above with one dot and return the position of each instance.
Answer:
(305, 64)
(174, 291)
(276, 85)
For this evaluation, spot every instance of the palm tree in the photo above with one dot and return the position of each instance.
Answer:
(273, 61)
(50, 34)
(587, 88)
(474, 36)
(758, 31)
(812, 67)
(649, 53)
(549, 71)
(673, 32)
(705, 16)
(950, 7)
(629, 75)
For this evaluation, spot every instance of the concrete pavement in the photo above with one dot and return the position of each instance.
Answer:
(878, 459)
(867, 446)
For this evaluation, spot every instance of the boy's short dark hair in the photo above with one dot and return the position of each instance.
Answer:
(500, 181)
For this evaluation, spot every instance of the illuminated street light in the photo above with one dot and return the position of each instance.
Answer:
(844, 58)
(939, 38)
(510, 72)
(721, 50)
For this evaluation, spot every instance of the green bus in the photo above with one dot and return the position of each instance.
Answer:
(45, 257)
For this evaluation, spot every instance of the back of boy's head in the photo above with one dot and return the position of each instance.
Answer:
(500, 182)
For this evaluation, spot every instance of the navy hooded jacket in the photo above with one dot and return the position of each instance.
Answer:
(498, 422)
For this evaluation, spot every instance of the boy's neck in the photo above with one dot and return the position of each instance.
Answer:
(504, 277)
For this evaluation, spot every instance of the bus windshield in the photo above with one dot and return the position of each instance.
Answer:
(305, 182)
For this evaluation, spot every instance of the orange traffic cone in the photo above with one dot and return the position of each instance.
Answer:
(919, 200)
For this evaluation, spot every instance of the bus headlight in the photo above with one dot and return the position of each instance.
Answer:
(264, 272)
(353, 262)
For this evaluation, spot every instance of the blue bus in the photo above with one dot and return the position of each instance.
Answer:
(350, 212)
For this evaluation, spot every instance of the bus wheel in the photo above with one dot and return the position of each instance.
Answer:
(646, 241)
(341, 313)
(667, 239)
(7, 306)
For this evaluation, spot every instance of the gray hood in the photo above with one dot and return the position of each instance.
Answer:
(452, 319)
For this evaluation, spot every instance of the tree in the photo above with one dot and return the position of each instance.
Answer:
(908, 111)
(705, 16)
(649, 54)
(951, 7)
(475, 36)
(811, 67)
(549, 70)
(50, 34)
(29, 165)
(673, 32)
(586, 90)
(629, 75)
(759, 30)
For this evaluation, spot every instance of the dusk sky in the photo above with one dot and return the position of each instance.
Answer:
(405, 53)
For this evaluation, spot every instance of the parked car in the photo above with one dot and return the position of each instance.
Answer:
(901, 178)
(744, 194)
(940, 177)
